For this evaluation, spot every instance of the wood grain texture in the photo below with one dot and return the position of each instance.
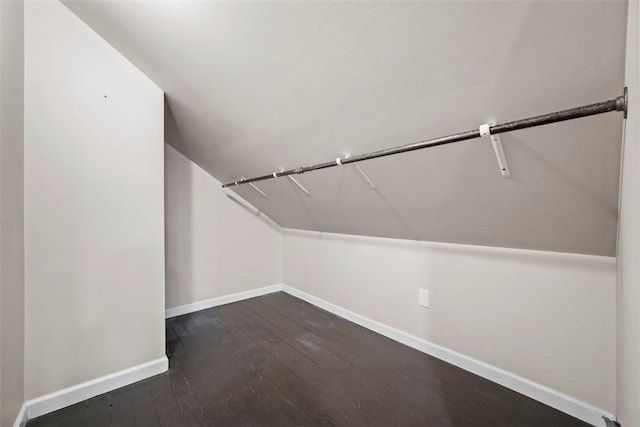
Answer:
(276, 360)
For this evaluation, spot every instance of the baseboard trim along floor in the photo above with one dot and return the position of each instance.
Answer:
(539, 392)
(72, 395)
(226, 299)
(21, 419)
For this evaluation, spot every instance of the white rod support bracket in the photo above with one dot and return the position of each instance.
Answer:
(485, 130)
(502, 160)
(295, 181)
(364, 175)
(255, 188)
(340, 159)
(239, 200)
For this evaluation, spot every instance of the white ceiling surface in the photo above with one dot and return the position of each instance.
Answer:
(255, 87)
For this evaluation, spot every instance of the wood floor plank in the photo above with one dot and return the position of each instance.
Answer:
(276, 360)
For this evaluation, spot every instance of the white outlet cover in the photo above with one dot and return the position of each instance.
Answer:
(423, 298)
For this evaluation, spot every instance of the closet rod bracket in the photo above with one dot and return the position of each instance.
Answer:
(485, 130)
(617, 104)
(622, 102)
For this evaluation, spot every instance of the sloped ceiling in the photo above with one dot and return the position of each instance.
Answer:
(256, 87)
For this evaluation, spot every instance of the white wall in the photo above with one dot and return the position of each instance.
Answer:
(94, 206)
(215, 247)
(94, 247)
(548, 317)
(629, 240)
(11, 211)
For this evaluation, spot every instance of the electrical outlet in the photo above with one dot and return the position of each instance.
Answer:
(423, 298)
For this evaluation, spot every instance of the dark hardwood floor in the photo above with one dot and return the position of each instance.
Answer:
(278, 361)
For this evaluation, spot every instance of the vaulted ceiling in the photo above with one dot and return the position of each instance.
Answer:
(253, 87)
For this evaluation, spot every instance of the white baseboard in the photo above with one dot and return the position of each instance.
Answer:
(539, 392)
(226, 299)
(21, 419)
(69, 396)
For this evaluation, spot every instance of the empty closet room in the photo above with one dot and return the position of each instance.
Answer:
(319, 213)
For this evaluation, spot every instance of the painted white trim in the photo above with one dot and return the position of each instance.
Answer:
(458, 246)
(21, 419)
(226, 299)
(69, 396)
(236, 197)
(539, 392)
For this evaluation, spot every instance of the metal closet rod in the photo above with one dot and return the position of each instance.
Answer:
(617, 104)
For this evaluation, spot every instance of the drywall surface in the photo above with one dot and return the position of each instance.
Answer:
(548, 317)
(340, 78)
(94, 206)
(629, 240)
(11, 211)
(215, 246)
